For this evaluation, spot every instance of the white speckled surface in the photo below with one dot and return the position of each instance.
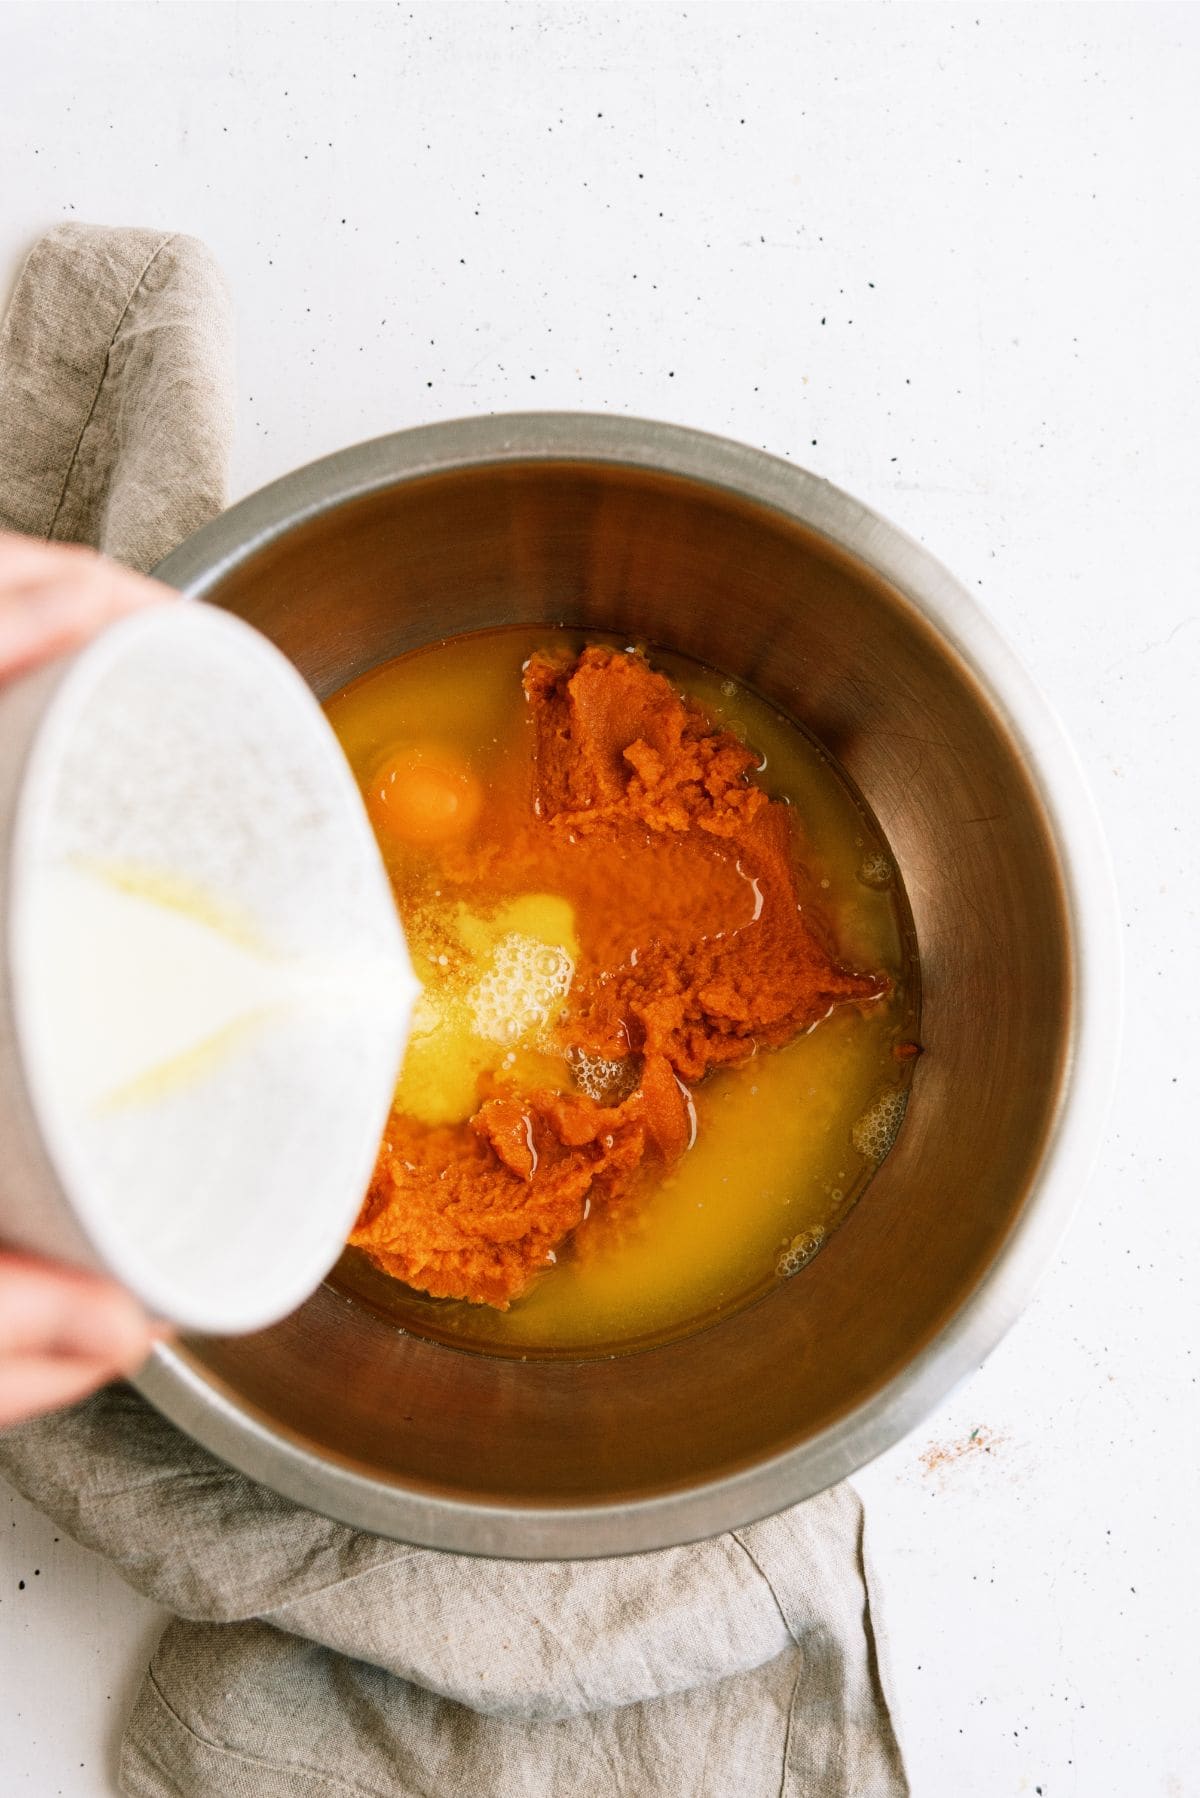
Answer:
(947, 257)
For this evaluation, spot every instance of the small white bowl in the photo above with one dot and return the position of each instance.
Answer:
(204, 990)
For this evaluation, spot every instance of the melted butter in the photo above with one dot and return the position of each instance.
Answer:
(784, 1144)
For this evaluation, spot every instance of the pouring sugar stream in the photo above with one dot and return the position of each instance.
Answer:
(206, 993)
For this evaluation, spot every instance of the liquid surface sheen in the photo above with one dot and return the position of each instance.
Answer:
(783, 1144)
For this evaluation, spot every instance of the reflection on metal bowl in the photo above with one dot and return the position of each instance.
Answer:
(764, 571)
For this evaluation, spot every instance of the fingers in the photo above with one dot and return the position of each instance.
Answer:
(29, 560)
(62, 1333)
(64, 1311)
(55, 596)
(40, 1383)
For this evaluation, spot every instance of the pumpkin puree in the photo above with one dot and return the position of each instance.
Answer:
(695, 952)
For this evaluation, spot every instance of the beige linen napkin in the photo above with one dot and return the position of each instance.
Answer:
(307, 1659)
(116, 392)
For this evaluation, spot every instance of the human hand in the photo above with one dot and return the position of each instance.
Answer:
(62, 1332)
(54, 596)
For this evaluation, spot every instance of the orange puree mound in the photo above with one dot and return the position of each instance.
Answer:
(696, 950)
(474, 1211)
(616, 742)
(704, 952)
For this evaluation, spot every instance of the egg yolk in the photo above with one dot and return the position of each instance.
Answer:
(424, 794)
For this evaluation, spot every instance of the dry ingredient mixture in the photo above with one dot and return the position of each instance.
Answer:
(614, 921)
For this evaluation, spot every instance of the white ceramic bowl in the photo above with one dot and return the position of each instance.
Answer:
(204, 989)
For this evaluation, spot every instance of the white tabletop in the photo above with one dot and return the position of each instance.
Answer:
(947, 257)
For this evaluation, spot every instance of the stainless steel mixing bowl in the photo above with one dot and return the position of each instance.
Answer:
(772, 575)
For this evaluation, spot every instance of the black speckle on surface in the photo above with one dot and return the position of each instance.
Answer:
(20, 1585)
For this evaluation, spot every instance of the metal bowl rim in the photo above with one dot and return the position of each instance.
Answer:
(664, 1519)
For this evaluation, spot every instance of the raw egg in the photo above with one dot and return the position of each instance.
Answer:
(424, 793)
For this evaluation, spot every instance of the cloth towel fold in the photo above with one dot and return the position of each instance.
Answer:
(307, 1659)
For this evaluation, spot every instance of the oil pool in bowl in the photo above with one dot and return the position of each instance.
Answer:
(586, 1155)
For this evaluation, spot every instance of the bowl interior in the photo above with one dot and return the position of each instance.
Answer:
(698, 569)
